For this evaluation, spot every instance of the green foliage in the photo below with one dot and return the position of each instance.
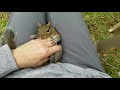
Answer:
(3, 21)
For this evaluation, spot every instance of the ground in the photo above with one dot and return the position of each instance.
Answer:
(98, 23)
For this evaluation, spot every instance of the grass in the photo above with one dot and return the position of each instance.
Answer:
(3, 21)
(98, 23)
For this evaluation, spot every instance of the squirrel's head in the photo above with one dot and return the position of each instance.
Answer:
(47, 31)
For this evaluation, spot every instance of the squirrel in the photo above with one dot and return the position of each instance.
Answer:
(44, 32)
(47, 31)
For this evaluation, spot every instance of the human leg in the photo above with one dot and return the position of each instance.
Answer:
(24, 24)
(78, 48)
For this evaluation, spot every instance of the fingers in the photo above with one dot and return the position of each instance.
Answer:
(55, 49)
(49, 39)
(48, 42)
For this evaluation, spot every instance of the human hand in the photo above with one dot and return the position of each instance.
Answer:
(34, 53)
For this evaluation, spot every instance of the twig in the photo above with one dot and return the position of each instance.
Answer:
(109, 64)
(114, 27)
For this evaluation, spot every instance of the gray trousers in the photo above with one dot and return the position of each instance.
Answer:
(78, 48)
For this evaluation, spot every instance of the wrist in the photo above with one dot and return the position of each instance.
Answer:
(17, 58)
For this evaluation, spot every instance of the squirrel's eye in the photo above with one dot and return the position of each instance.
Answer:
(48, 30)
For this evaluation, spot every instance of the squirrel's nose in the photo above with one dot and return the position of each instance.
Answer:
(56, 38)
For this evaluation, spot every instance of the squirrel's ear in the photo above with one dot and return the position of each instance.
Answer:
(38, 24)
(49, 23)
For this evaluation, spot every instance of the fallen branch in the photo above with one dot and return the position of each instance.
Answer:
(114, 27)
(108, 63)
